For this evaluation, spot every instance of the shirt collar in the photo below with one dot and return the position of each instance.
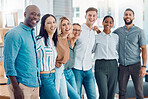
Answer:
(25, 27)
(130, 27)
(69, 45)
(84, 24)
(104, 34)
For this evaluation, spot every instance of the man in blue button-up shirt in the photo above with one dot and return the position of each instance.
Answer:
(131, 42)
(20, 57)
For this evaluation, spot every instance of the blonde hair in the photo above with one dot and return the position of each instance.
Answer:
(60, 24)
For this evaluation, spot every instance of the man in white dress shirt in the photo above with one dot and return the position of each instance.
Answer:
(83, 55)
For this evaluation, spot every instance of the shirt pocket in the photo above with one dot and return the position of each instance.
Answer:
(133, 38)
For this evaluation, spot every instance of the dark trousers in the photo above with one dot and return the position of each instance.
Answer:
(124, 74)
(106, 74)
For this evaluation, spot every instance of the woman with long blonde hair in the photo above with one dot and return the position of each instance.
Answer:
(64, 29)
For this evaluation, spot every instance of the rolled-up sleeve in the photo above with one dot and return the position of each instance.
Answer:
(142, 38)
(12, 44)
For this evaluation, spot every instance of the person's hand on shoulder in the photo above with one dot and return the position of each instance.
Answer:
(95, 28)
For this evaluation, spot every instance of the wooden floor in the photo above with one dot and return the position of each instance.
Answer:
(117, 97)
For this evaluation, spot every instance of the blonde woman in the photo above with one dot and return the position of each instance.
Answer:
(64, 29)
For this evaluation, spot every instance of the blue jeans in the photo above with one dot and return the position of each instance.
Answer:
(60, 82)
(47, 88)
(88, 80)
(71, 84)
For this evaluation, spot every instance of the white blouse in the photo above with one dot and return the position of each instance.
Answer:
(106, 46)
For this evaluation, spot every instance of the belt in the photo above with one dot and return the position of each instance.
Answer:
(131, 64)
(105, 59)
(48, 72)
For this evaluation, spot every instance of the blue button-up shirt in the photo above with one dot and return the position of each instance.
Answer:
(129, 44)
(83, 49)
(20, 57)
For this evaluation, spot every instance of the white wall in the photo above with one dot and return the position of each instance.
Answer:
(46, 6)
(145, 24)
(136, 5)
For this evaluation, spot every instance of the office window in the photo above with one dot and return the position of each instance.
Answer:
(77, 15)
(98, 12)
(76, 12)
(109, 11)
(77, 9)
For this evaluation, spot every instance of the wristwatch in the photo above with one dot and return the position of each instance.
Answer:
(143, 66)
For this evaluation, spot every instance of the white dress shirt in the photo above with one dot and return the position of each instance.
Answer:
(106, 46)
(83, 49)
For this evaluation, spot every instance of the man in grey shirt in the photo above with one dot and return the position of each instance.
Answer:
(131, 42)
(83, 55)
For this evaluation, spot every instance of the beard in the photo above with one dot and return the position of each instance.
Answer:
(128, 23)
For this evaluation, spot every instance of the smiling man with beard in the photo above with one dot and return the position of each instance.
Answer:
(131, 41)
(20, 57)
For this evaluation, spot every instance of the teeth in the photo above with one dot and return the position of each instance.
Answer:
(52, 28)
(128, 19)
(77, 34)
(34, 21)
(108, 26)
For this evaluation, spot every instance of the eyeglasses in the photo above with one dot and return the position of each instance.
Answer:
(77, 30)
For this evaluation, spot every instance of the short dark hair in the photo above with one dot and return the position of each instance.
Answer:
(91, 9)
(26, 9)
(129, 9)
(108, 16)
(76, 24)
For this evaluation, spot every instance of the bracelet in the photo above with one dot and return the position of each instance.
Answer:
(143, 66)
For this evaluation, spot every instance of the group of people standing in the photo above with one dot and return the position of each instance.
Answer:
(56, 63)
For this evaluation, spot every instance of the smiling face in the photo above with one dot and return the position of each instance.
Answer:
(91, 17)
(76, 31)
(50, 25)
(66, 27)
(128, 17)
(32, 16)
(108, 24)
